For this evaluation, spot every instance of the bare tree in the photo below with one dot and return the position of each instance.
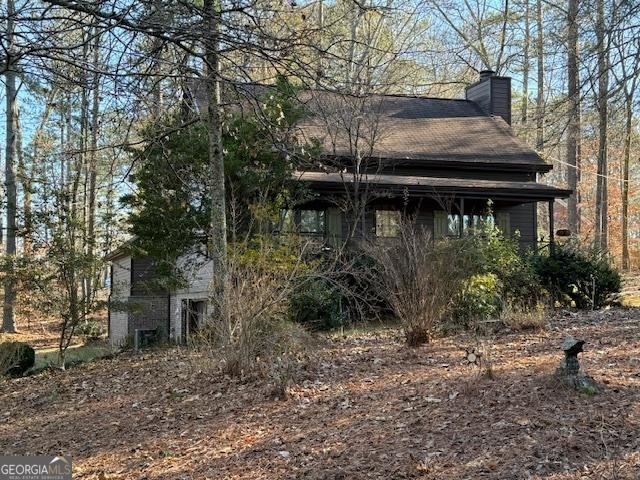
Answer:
(10, 74)
(628, 80)
(218, 227)
(573, 132)
(526, 63)
(540, 107)
(419, 278)
(602, 197)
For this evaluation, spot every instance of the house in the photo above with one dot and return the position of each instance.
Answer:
(441, 161)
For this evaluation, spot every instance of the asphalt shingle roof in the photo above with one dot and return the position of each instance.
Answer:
(413, 128)
(400, 127)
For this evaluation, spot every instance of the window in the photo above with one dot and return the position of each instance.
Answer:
(311, 221)
(450, 225)
(474, 223)
(387, 223)
(306, 222)
(453, 225)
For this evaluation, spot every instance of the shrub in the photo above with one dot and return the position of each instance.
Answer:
(493, 253)
(499, 276)
(419, 278)
(16, 358)
(317, 304)
(90, 330)
(478, 299)
(582, 276)
(254, 327)
(356, 273)
(522, 288)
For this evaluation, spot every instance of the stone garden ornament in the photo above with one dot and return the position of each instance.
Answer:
(569, 370)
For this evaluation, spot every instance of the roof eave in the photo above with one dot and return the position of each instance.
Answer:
(542, 167)
(470, 192)
(328, 182)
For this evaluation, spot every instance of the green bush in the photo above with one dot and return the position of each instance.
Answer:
(90, 330)
(522, 288)
(570, 274)
(497, 255)
(479, 299)
(16, 358)
(317, 305)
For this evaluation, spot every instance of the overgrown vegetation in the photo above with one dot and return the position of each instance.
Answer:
(499, 278)
(419, 278)
(257, 326)
(16, 358)
(506, 283)
(171, 207)
(318, 305)
(479, 298)
(584, 277)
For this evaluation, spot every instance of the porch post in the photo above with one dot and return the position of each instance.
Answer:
(461, 217)
(552, 238)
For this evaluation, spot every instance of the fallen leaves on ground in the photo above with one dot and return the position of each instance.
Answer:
(369, 408)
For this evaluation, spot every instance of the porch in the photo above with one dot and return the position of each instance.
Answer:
(447, 207)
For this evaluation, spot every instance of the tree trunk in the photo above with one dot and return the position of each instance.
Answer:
(83, 172)
(8, 316)
(625, 181)
(93, 171)
(526, 66)
(156, 53)
(540, 67)
(602, 211)
(217, 242)
(572, 128)
(25, 180)
(352, 70)
(320, 67)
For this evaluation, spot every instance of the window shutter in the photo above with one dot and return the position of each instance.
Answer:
(334, 226)
(439, 224)
(503, 222)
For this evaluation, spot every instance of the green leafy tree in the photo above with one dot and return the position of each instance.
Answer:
(170, 209)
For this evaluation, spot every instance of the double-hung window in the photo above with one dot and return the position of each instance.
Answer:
(453, 224)
(387, 223)
(312, 222)
(304, 222)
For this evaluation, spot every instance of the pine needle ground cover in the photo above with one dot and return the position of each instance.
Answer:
(368, 408)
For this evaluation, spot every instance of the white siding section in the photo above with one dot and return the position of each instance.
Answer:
(198, 273)
(120, 290)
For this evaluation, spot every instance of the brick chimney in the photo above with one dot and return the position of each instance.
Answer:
(492, 94)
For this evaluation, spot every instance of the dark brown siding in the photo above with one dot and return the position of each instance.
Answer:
(480, 93)
(501, 98)
(523, 220)
(480, 174)
(493, 96)
(424, 218)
